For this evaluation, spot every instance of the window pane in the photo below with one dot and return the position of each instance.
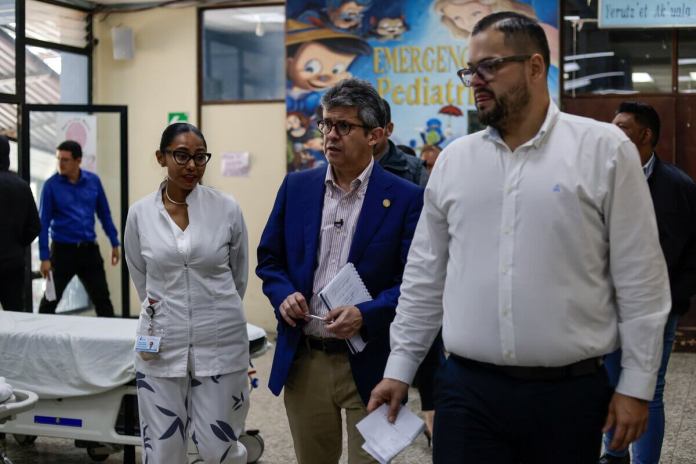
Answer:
(56, 24)
(613, 60)
(240, 50)
(7, 47)
(687, 61)
(8, 120)
(56, 77)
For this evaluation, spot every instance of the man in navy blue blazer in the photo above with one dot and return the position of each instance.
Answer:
(352, 211)
(674, 198)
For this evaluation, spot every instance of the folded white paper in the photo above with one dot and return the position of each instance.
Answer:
(346, 289)
(384, 440)
(50, 292)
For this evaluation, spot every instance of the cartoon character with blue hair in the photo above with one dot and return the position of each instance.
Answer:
(432, 135)
(339, 15)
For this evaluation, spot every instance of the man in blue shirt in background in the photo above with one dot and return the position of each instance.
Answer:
(69, 200)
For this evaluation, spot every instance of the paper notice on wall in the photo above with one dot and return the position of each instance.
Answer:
(81, 128)
(235, 164)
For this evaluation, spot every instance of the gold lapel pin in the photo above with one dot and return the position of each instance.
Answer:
(386, 203)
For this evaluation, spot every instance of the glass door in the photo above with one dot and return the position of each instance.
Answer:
(101, 131)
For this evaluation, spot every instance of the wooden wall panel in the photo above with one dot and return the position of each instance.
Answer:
(603, 108)
(686, 134)
(686, 159)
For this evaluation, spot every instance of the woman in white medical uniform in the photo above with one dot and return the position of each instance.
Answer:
(186, 249)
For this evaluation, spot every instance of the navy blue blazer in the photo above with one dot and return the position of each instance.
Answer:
(674, 197)
(287, 259)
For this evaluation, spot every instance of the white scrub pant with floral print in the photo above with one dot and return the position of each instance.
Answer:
(213, 409)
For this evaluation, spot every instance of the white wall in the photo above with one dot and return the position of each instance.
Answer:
(257, 129)
(162, 78)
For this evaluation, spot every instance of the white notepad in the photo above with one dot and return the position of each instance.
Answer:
(384, 440)
(346, 289)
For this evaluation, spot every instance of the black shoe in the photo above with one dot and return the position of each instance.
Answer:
(609, 459)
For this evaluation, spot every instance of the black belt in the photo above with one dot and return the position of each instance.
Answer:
(327, 345)
(585, 367)
(75, 245)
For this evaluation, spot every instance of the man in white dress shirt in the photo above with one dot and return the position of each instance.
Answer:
(537, 251)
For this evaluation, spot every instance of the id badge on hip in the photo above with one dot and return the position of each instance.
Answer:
(147, 344)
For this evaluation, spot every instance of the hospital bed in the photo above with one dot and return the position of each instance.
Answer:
(19, 402)
(82, 370)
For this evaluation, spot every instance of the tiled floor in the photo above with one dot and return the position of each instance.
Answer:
(268, 414)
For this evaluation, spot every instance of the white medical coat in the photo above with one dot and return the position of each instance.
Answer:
(199, 293)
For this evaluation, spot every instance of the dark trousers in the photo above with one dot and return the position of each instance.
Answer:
(85, 261)
(12, 289)
(427, 372)
(484, 416)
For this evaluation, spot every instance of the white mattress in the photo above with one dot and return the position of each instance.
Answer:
(64, 356)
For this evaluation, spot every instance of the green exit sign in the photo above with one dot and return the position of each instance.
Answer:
(177, 117)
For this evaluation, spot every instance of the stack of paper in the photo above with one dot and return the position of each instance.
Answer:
(346, 289)
(384, 440)
(50, 291)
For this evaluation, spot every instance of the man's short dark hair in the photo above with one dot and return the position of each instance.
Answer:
(645, 115)
(522, 33)
(387, 112)
(73, 147)
(359, 94)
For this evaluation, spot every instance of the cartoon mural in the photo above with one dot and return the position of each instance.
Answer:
(410, 50)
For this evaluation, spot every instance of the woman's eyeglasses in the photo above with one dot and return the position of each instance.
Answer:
(182, 157)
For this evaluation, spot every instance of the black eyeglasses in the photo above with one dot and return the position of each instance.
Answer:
(182, 157)
(343, 128)
(486, 69)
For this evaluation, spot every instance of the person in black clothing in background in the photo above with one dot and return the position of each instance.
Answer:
(19, 225)
(412, 169)
(407, 150)
(396, 161)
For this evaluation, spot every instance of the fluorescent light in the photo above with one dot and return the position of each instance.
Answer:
(692, 75)
(683, 61)
(586, 56)
(571, 67)
(571, 18)
(615, 92)
(264, 17)
(576, 84)
(587, 80)
(641, 77)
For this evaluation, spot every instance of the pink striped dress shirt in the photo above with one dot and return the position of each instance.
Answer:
(339, 218)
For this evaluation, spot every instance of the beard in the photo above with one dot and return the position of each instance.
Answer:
(507, 107)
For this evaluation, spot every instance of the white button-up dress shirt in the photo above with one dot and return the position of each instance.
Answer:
(197, 277)
(544, 256)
